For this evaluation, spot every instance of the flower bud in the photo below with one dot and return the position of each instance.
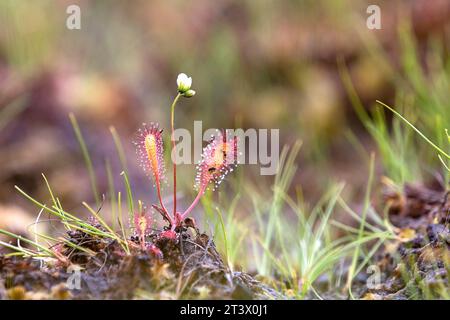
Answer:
(189, 93)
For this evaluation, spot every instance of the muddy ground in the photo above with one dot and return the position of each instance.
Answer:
(417, 266)
(187, 267)
(190, 266)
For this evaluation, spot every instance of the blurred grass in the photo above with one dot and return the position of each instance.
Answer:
(421, 95)
(29, 36)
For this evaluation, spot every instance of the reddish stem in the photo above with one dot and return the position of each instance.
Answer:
(201, 191)
(158, 188)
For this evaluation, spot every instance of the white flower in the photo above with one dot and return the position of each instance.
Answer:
(184, 83)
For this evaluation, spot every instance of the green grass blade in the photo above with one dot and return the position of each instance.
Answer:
(111, 192)
(415, 129)
(129, 195)
(86, 156)
(352, 269)
(119, 148)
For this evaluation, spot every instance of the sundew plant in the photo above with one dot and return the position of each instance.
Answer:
(219, 158)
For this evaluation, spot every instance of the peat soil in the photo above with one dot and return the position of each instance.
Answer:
(188, 267)
(417, 266)
(414, 266)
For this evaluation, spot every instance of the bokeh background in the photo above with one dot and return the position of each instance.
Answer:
(255, 64)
